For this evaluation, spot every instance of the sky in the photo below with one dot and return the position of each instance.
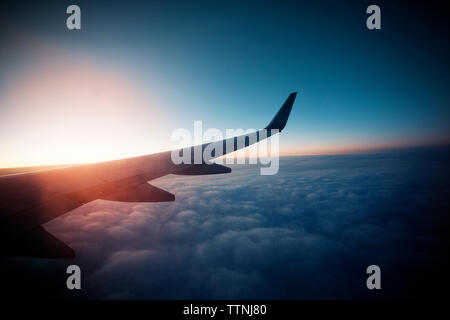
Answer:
(138, 70)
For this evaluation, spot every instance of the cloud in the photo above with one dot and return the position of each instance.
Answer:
(308, 232)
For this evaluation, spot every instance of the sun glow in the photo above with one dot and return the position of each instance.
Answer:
(72, 111)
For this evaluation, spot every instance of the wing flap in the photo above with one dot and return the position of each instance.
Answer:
(38, 243)
(140, 193)
(15, 225)
(201, 169)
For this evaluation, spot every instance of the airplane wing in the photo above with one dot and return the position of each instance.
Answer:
(30, 199)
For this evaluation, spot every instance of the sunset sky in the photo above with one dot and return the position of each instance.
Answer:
(139, 70)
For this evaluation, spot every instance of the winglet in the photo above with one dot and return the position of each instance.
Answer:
(280, 119)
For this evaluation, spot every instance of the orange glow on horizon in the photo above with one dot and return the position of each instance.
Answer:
(358, 148)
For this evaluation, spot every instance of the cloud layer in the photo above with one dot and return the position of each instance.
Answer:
(308, 232)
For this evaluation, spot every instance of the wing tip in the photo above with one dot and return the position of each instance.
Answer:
(279, 121)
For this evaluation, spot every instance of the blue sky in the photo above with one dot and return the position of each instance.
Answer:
(232, 63)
